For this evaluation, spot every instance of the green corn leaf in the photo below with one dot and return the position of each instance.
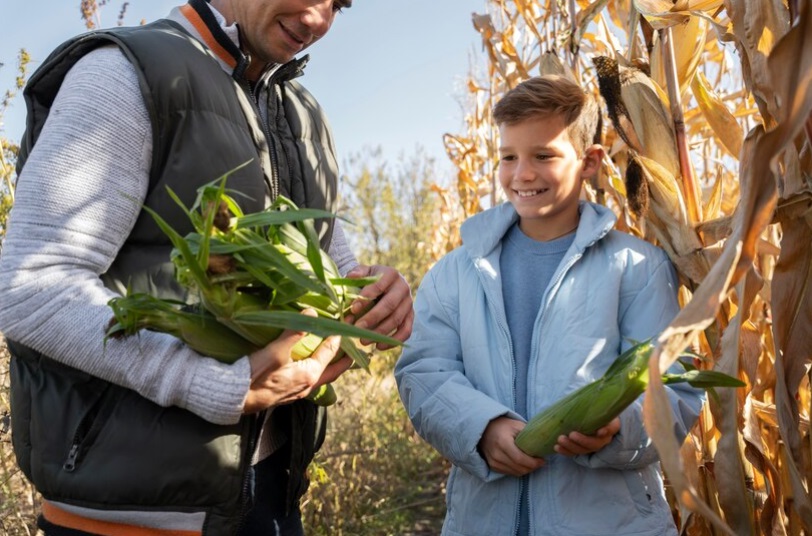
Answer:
(323, 327)
(358, 356)
(703, 379)
(275, 218)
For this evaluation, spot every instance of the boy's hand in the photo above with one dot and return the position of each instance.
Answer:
(576, 443)
(392, 314)
(499, 449)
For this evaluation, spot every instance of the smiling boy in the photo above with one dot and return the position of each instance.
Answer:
(539, 300)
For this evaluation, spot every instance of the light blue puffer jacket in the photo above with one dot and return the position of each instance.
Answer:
(456, 374)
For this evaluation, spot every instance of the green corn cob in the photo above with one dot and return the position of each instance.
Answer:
(594, 405)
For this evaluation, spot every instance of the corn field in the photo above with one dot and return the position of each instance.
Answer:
(709, 155)
(708, 137)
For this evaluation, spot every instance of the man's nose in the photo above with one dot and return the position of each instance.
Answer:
(319, 17)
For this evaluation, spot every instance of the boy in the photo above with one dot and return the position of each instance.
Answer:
(539, 300)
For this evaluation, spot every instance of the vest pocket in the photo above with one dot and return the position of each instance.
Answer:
(89, 427)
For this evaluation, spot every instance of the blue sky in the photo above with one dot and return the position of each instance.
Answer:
(389, 73)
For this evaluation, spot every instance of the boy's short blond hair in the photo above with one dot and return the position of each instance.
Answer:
(551, 95)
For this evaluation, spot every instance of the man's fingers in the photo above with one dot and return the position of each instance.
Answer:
(334, 370)
(327, 350)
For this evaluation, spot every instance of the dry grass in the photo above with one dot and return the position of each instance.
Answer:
(18, 500)
(374, 475)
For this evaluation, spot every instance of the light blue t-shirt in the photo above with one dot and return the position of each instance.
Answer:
(527, 266)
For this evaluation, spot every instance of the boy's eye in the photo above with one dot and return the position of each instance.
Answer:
(507, 157)
(339, 5)
(543, 156)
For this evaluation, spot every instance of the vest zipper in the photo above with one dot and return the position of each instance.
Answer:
(254, 428)
(73, 454)
(239, 73)
(86, 431)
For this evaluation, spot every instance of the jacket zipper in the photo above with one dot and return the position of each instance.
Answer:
(506, 333)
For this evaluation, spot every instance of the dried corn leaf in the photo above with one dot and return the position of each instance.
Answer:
(792, 59)
(484, 25)
(550, 63)
(584, 19)
(697, 5)
(754, 214)
(660, 424)
(792, 326)
(713, 208)
(659, 13)
(790, 71)
(689, 45)
(620, 12)
(724, 125)
(757, 27)
(730, 477)
(527, 9)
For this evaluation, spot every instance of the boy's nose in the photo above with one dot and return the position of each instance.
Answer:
(524, 171)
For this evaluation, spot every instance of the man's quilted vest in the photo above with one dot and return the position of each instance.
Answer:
(86, 442)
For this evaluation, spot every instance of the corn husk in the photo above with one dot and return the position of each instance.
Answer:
(251, 276)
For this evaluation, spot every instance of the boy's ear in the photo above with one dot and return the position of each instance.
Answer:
(593, 156)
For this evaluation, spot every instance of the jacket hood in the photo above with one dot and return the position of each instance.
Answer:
(481, 233)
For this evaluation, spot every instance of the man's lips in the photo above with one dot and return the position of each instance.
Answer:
(293, 35)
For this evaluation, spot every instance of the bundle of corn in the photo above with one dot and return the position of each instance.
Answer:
(594, 405)
(253, 275)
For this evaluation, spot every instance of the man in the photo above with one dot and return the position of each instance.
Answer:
(142, 435)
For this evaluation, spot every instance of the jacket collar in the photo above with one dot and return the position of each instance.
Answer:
(482, 233)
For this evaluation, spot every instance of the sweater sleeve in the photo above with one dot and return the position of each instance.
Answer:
(77, 200)
(340, 251)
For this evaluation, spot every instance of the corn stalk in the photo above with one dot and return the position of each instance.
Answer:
(709, 155)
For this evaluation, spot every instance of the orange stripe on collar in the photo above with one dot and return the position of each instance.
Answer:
(57, 516)
(195, 20)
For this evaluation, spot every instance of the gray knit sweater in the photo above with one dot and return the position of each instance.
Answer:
(73, 211)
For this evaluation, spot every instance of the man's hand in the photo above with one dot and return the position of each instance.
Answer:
(392, 313)
(499, 449)
(277, 379)
(576, 443)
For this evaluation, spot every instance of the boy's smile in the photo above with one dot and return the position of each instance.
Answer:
(541, 173)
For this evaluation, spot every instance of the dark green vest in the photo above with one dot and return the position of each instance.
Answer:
(86, 442)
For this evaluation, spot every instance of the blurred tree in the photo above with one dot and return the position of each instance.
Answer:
(391, 209)
(8, 148)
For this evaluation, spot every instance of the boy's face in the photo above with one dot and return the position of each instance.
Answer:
(541, 173)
